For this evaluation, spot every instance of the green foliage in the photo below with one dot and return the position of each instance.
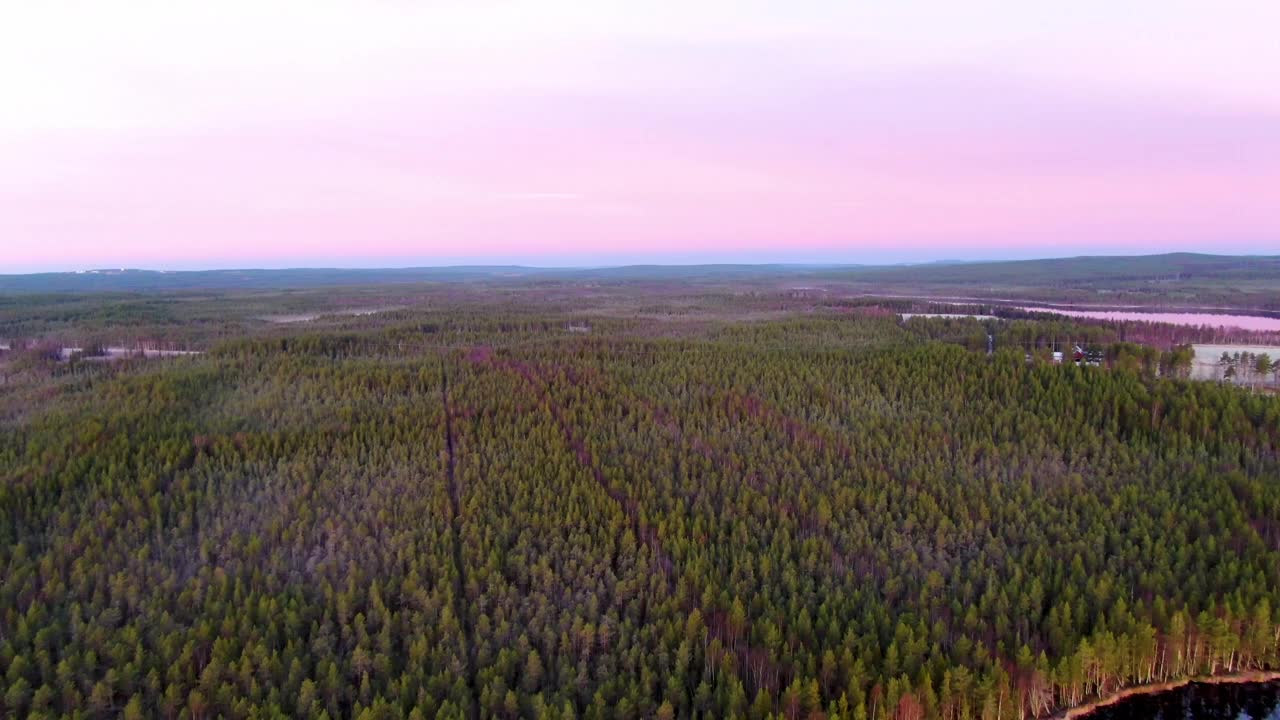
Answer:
(488, 516)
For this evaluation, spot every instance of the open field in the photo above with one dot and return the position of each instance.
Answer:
(1209, 366)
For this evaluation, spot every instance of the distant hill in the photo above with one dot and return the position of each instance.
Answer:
(1262, 273)
(1078, 271)
(157, 280)
(133, 280)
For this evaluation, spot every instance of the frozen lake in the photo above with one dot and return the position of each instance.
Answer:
(1244, 322)
(119, 353)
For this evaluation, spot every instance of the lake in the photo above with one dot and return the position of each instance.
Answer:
(1199, 701)
(1244, 322)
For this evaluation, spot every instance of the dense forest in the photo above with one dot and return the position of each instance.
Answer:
(483, 511)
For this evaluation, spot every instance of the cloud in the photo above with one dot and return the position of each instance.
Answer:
(540, 196)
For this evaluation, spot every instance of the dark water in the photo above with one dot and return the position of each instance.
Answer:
(1198, 701)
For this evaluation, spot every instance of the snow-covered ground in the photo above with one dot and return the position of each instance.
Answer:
(1206, 365)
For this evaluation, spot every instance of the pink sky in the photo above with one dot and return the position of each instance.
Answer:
(178, 135)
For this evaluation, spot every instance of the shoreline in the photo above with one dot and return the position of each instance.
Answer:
(1175, 308)
(1253, 676)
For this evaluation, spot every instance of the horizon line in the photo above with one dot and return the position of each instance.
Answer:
(109, 269)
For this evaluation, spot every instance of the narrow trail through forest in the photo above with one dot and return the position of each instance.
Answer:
(578, 448)
(460, 566)
(758, 664)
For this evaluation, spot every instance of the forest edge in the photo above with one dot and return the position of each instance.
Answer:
(1084, 709)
